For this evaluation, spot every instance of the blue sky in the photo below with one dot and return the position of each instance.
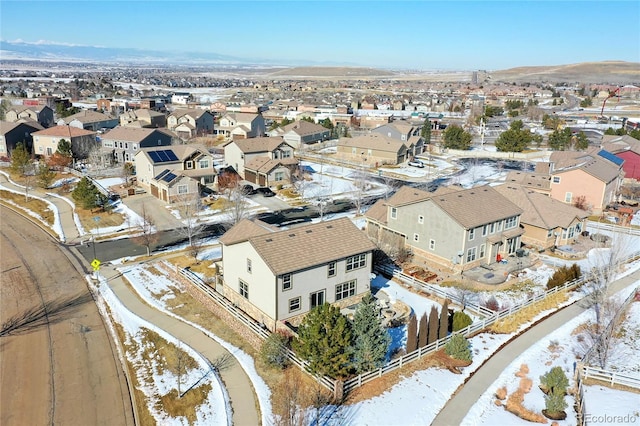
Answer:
(392, 34)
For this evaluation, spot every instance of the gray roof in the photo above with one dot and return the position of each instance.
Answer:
(303, 247)
(589, 162)
(253, 145)
(131, 134)
(374, 141)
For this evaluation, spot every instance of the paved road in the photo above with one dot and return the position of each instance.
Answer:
(237, 383)
(59, 368)
(459, 405)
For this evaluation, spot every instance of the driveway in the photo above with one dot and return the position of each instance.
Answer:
(154, 207)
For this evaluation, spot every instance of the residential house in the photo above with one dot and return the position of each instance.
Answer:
(453, 227)
(264, 171)
(241, 152)
(189, 123)
(404, 132)
(143, 118)
(301, 133)
(171, 172)
(241, 126)
(546, 222)
(277, 276)
(45, 142)
(374, 150)
(89, 120)
(41, 114)
(539, 182)
(124, 142)
(589, 178)
(626, 148)
(12, 134)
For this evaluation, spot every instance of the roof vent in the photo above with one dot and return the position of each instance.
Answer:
(308, 231)
(268, 240)
(329, 226)
(292, 235)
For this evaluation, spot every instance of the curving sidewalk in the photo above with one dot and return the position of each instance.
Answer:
(455, 410)
(242, 395)
(237, 383)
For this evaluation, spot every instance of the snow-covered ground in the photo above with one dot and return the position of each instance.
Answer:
(155, 381)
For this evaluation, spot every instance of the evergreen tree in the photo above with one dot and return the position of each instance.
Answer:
(324, 339)
(86, 194)
(443, 328)
(20, 159)
(412, 338)
(426, 131)
(560, 140)
(456, 138)
(516, 139)
(458, 347)
(44, 175)
(64, 148)
(581, 142)
(273, 351)
(371, 339)
(461, 320)
(433, 325)
(423, 331)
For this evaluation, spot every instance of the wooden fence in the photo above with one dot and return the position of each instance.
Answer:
(487, 316)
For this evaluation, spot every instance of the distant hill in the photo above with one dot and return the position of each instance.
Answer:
(332, 72)
(614, 72)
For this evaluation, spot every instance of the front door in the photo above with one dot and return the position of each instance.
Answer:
(317, 299)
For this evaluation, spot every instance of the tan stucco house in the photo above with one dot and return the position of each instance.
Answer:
(240, 152)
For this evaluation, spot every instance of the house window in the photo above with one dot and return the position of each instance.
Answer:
(483, 250)
(279, 176)
(556, 179)
(135, 146)
(331, 269)
(159, 141)
(420, 219)
(432, 244)
(249, 265)
(571, 232)
(578, 227)
(204, 164)
(126, 145)
(286, 154)
(416, 237)
(492, 228)
(357, 261)
(511, 222)
(294, 304)
(499, 226)
(549, 233)
(244, 289)
(183, 189)
(345, 290)
(472, 234)
(567, 197)
(189, 165)
(286, 282)
(485, 229)
(394, 213)
(108, 144)
(471, 254)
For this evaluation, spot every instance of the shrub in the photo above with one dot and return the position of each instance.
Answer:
(501, 393)
(555, 379)
(461, 320)
(273, 351)
(492, 304)
(554, 401)
(564, 274)
(458, 347)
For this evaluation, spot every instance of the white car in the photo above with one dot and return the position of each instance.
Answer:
(416, 163)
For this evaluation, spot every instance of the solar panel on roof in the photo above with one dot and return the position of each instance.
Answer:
(162, 156)
(162, 173)
(169, 177)
(609, 156)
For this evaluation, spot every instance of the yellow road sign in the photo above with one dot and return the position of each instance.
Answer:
(95, 263)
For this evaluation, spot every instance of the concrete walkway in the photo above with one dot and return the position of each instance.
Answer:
(242, 396)
(241, 393)
(459, 405)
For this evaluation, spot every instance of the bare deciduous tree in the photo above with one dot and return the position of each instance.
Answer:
(189, 206)
(236, 208)
(147, 231)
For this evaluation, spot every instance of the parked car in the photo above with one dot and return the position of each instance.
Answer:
(247, 190)
(416, 163)
(266, 192)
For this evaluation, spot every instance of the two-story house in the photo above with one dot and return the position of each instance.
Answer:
(241, 126)
(626, 148)
(41, 114)
(143, 118)
(12, 134)
(192, 122)
(332, 264)
(168, 173)
(301, 133)
(89, 120)
(124, 142)
(453, 227)
(591, 178)
(239, 153)
(45, 142)
(405, 132)
(374, 150)
(546, 222)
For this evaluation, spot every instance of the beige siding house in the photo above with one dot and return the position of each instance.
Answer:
(374, 150)
(264, 171)
(45, 142)
(238, 153)
(41, 114)
(456, 228)
(188, 123)
(301, 133)
(332, 264)
(546, 222)
(241, 126)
